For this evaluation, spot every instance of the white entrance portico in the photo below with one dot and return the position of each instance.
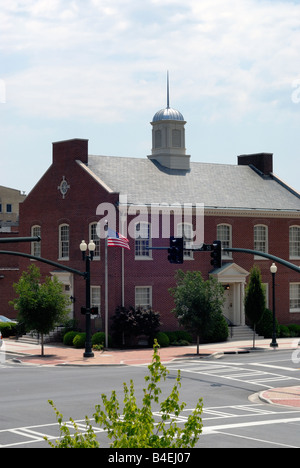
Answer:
(67, 280)
(233, 278)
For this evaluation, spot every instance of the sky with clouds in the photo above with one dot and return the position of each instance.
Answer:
(96, 69)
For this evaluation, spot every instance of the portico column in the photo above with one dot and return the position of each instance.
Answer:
(242, 296)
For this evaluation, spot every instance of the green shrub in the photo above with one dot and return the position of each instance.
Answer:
(181, 343)
(69, 325)
(179, 338)
(284, 332)
(294, 330)
(183, 335)
(265, 325)
(99, 339)
(69, 337)
(162, 339)
(79, 340)
(218, 331)
(172, 337)
(8, 329)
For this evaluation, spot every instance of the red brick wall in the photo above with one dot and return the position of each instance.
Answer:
(46, 207)
(9, 271)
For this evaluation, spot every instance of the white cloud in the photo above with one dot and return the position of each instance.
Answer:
(91, 58)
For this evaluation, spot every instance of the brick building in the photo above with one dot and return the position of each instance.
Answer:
(148, 199)
(10, 200)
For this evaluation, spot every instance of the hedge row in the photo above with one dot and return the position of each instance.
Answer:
(77, 339)
(8, 329)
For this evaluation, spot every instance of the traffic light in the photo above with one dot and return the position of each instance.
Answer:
(176, 250)
(216, 254)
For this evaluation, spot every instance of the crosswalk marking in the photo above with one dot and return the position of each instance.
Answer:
(232, 417)
(234, 372)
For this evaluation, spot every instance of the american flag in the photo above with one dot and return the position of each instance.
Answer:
(114, 239)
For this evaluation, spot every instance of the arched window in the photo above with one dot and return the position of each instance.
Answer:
(36, 246)
(294, 237)
(64, 241)
(94, 236)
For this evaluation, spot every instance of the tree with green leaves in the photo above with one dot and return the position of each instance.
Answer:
(40, 306)
(135, 426)
(255, 299)
(198, 303)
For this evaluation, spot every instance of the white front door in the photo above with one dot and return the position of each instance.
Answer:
(228, 303)
(233, 278)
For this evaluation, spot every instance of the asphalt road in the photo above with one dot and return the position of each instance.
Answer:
(233, 415)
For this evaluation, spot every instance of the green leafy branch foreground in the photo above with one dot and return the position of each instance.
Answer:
(136, 427)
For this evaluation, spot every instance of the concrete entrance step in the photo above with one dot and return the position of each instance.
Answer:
(241, 333)
(35, 338)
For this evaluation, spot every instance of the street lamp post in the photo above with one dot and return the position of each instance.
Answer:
(88, 258)
(273, 270)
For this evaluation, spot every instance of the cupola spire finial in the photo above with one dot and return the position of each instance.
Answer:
(168, 91)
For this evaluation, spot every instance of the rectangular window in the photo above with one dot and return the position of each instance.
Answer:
(64, 242)
(96, 298)
(261, 240)
(8, 208)
(142, 241)
(224, 234)
(294, 297)
(186, 231)
(295, 242)
(176, 138)
(143, 297)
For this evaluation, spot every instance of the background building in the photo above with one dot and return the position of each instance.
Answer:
(10, 200)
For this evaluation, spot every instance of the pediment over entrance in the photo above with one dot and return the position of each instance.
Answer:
(230, 273)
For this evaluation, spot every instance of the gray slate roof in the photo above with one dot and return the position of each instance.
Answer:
(215, 185)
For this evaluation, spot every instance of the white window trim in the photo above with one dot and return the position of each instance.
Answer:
(297, 310)
(96, 240)
(93, 303)
(187, 255)
(150, 296)
(292, 257)
(60, 243)
(225, 255)
(149, 255)
(34, 245)
(258, 257)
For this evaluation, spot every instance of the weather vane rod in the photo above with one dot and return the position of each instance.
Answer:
(168, 91)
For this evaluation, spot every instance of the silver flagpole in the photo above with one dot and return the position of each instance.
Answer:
(106, 289)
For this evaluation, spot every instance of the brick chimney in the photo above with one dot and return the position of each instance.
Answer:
(68, 151)
(261, 161)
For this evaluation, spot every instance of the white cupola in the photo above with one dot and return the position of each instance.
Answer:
(168, 137)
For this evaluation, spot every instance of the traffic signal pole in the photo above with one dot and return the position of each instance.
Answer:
(11, 240)
(263, 254)
(216, 250)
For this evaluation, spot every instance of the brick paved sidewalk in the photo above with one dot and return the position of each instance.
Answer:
(57, 354)
(287, 396)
